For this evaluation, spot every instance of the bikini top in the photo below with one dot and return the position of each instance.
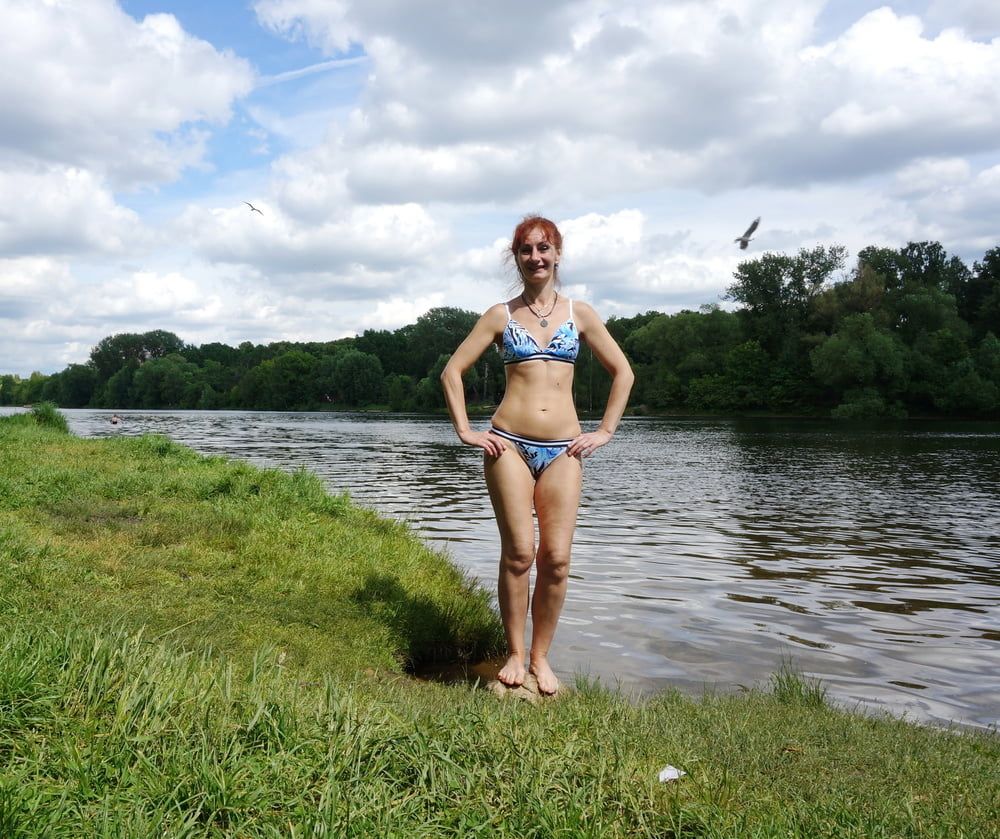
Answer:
(520, 345)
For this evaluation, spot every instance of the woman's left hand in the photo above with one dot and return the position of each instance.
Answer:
(586, 444)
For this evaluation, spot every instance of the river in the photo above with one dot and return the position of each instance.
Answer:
(709, 551)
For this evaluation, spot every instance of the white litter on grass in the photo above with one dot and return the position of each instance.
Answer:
(671, 773)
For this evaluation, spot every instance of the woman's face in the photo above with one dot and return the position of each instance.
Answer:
(537, 258)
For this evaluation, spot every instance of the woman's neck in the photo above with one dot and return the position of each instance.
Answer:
(544, 296)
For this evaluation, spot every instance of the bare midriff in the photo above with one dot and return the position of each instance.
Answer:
(538, 402)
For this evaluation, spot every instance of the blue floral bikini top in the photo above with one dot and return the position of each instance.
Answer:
(520, 345)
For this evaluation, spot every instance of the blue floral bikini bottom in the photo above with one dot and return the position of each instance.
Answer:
(538, 454)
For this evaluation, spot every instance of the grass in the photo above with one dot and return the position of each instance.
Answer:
(209, 552)
(117, 719)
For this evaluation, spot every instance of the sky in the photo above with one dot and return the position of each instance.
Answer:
(392, 146)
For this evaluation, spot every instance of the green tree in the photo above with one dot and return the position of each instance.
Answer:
(209, 399)
(78, 383)
(979, 300)
(428, 394)
(31, 390)
(775, 292)
(863, 292)
(116, 351)
(748, 375)
(281, 383)
(357, 378)
(988, 358)
(399, 391)
(862, 360)
(8, 386)
(965, 392)
(168, 382)
(436, 333)
(777, 295)
(117, 393)
(391, 348)
(924, 264)
(670, 351)
(294, 373)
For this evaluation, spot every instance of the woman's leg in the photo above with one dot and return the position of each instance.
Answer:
(511, 486)
(557, 498)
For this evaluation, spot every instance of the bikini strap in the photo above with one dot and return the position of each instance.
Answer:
(571, 308)
(507, 308)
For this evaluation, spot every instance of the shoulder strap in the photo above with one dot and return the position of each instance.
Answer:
(508, 310)
(571, 308)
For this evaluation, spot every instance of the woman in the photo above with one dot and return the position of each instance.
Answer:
(534, 448)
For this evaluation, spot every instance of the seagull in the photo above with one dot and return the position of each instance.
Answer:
(253, 209)
(744, 240)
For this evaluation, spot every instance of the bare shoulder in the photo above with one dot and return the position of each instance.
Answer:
(495, 317)
(586, 315)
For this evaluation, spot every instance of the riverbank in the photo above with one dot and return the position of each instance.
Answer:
(193, 646)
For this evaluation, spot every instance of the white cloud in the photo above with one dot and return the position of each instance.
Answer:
(977, 18)
(895, 80)
(458, 32)
(961, 212)
(618, 264)
(700, 94)
(396, 311)
(85, 85)
(30, 337)
(346, 246)
(932, 174)
(62, 210)
(27, 284)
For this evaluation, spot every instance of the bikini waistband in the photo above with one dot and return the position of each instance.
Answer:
(517, 438)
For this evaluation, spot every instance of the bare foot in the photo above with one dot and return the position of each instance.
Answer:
(512, 673)
(548, 684)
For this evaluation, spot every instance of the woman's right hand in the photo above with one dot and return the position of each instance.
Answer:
(489, 443)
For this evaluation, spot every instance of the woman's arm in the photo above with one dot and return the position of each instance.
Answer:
(612, 359)
(482, 335)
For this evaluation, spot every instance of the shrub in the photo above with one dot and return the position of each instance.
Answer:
(47, 415)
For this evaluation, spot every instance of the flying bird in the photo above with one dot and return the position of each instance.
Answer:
(744, 240)
(253, 209)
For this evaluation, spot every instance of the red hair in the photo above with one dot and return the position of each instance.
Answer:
(529, 223)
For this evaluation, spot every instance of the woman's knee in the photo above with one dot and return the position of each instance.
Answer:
(553, 563)
(517, 559)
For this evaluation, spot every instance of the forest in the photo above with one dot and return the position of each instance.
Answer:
(903, 332)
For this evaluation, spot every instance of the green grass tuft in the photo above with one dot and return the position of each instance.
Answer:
(789, 686)
(47, 415)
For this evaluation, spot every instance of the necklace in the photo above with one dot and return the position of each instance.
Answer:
(541, 318)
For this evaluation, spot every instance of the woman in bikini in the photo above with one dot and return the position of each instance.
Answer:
(534, 448)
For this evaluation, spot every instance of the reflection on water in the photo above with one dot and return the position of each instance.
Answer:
(709, 551)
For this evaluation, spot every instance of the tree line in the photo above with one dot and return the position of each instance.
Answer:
(908, 331)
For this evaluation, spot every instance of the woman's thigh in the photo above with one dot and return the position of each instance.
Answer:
(557, 499)
(511, 488)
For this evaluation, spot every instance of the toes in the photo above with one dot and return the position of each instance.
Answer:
(512, 673)
(547, 682)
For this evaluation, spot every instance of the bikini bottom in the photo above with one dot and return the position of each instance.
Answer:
(538, 454)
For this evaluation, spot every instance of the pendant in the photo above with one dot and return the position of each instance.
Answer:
(543, 322)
